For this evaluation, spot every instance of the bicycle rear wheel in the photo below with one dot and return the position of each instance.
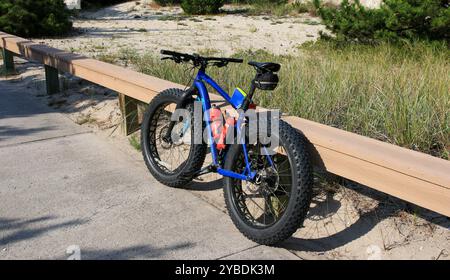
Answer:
(273, 207)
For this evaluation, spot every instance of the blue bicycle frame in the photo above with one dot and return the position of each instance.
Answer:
(199, 83)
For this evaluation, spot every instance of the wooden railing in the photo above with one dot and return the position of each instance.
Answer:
(413, 176)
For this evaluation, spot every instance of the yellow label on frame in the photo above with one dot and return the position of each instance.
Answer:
(242, 92)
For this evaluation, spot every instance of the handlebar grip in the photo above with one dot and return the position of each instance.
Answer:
(166, 52)
(235, 60)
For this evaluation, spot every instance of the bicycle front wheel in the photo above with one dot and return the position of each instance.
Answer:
(173, 163)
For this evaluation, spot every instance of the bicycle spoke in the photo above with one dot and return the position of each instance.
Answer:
(265, 209)
(171, 155)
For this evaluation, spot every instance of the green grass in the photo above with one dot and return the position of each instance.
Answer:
(2, 66)
(82, 119)
(292, 9)
(397, 94)
(107, 57)
(253, 29)
(135, 142)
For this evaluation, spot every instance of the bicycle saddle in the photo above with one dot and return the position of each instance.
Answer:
(266, 66)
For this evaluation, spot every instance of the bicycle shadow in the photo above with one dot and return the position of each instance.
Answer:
(330, 207)
(341, 211)
(323, 214)
(205, 185)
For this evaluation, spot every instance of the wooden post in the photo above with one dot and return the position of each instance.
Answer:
(51, 80)
(8, 62)
(129, 109)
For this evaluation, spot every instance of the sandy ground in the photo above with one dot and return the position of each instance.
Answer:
(346, 220)
(148, 29)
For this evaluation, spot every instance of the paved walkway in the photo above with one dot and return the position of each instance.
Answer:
(63, 188)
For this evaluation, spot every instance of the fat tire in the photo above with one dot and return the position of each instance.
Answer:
(296, 146)
(197, 152)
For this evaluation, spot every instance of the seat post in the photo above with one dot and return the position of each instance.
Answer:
(249, 96)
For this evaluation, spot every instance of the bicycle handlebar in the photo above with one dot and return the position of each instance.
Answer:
(199, 60)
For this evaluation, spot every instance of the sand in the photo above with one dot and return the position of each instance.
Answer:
(148, 29)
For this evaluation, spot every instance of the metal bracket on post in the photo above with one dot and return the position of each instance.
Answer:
(8, 62)
(129, 109)
(52, 79)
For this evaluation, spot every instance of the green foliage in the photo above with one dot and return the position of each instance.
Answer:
(238, 1)
(135, 142)
(201, 7)
(279, 7)
(92, 4)
(272, 2)
(34, 17)
(168, 2)
(259, 2)
(393, 21)
(303, 7)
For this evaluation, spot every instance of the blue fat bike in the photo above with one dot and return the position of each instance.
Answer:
(267, 194)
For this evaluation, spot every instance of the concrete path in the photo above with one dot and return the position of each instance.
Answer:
(63, 188)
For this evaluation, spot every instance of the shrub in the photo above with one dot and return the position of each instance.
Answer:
(265, 7)
(200, 7)
(394, 20)
(34, 17)
(168, 2)
(304, 7)
(239, 1)
(272, 2)
(92, 4)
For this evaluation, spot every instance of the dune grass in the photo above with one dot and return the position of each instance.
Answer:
(397, 94)
(268, 8)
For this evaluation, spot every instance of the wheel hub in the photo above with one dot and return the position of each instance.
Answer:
(267, 180)
(165, 143)
(168, 143)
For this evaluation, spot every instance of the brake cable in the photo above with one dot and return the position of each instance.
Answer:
(191, 75)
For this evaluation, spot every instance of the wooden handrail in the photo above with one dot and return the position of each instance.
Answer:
(413, 176)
